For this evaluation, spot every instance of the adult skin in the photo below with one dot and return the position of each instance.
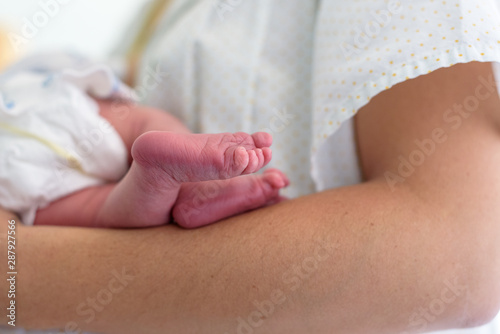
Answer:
(424, 254)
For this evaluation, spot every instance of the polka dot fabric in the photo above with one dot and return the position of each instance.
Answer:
(364, 47)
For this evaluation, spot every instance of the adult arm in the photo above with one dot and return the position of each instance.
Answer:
(364, 259)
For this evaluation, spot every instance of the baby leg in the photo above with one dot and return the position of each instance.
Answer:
(130, 121)
(203, 203)
(77, 209)
(162, 162)
(165, 160)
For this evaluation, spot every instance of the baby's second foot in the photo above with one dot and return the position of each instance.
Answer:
(204, 203)
(201, 157)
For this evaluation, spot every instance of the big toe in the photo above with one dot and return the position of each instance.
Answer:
(262, 139)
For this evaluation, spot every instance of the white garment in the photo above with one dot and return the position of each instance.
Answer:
(302, 69)
(52, 140)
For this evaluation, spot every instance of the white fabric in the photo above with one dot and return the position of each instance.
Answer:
(51, 103)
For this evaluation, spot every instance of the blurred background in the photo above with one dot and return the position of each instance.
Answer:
(91, 27)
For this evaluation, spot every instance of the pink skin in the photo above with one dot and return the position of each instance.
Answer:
(200, 203)
(163, 161)
(197, 179)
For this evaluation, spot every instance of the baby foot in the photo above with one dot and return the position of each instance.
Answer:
(204, 203)
(201, 157)
(164, 160)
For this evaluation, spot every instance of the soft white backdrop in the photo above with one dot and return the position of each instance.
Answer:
(87, 26)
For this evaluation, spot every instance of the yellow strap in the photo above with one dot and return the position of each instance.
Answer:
(141, 40)
(72, 160)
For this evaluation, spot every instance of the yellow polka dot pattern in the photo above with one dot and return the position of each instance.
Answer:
(364, 47)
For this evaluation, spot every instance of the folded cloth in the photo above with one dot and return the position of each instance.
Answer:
(53, 142)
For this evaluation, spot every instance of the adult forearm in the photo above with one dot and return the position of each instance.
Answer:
(352, 260)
